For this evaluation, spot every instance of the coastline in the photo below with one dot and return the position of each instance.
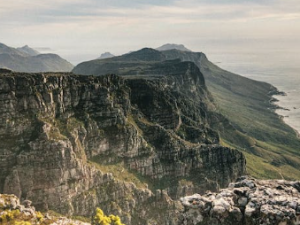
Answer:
(297, 132)
(277, 108)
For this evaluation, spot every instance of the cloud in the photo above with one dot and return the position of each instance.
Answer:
(88, 25)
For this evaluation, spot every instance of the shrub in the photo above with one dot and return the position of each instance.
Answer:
(101, 219)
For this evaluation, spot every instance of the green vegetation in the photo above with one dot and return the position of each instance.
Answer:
(101, 219)
(119, 171)
(270, 146)
(10, 216)
(15, 217)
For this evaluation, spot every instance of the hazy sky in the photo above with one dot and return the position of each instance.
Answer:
(83, 29)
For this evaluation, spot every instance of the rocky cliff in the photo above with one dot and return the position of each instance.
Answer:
(132, 146)
(248, 202)
(247, 122)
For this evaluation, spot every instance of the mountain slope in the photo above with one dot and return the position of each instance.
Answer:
(272, 147)
(27, 50)
(26, 60)
(251, 125)
(4, 49)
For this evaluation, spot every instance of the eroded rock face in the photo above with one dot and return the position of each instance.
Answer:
(248, 202)
(72, 143)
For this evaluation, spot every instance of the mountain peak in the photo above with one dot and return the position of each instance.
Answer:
(106, 55)
(30, 51)
(145, 54)
(173, 46)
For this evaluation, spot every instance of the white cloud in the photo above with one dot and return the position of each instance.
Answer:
(88, 25)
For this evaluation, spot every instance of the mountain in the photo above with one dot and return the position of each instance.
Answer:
(4, 49)
(119, 63)
(173, 46)
(27, 50)
(129, 144)
(26, 59)
(106, 55)
(249, 122)
(137, 142)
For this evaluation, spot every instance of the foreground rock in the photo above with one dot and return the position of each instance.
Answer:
(12, 212)
(248, 202)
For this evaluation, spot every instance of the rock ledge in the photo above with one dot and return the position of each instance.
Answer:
(248, 201)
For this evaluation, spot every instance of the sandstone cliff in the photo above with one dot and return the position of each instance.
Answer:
(132, 146)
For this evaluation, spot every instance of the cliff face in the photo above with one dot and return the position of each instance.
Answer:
(258, 130)
(132, 146)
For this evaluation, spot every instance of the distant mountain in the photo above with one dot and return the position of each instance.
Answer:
(26, 59)
(116, 64)
(106, 55)
(30, 51)
(251, 125)
(173, 46)
(4, 49)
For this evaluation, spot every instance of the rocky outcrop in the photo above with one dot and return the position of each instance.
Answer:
(72, 143)
(12, 212)
(247, 201)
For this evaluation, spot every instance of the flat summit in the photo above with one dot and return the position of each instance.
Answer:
(179, 47)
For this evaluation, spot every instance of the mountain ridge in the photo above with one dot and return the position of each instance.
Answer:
(26, 59)
(247, 105)
(30, 51)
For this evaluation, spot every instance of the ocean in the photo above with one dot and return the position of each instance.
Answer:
(279, 68)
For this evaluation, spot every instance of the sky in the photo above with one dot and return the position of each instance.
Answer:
(81, 30)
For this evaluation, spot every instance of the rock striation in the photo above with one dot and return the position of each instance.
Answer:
(247, 201)
(131, 146)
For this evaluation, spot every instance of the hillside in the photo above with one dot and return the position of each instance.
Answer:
(27, 50)
(131, 145)
(250, 124)
(26, 59)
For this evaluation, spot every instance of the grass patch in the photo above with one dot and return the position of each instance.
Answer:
(119, 172)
